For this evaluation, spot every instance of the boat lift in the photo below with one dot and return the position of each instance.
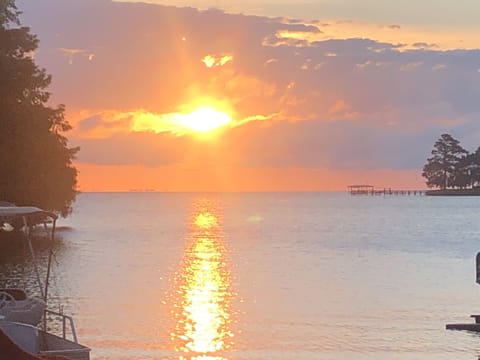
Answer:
(26, 336)
(474, 327)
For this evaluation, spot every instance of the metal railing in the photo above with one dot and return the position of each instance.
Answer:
(64, 319)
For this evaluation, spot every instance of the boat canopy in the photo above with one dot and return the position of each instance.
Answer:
(12, 212)
(29, 217)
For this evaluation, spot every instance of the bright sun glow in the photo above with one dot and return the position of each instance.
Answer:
(204, 119)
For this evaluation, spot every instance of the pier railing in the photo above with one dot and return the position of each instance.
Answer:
(370, 190)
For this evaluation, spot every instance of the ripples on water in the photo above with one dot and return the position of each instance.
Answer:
(265, 276)
(201, 303)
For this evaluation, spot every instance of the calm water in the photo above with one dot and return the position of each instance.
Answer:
(267, 276)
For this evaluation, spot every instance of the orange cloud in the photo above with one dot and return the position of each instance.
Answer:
(341, 110)
(216, 60)
(406, 36)
(193, 119)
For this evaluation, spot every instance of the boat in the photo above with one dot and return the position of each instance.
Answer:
(18, 315)
(38, 342)
(17, 306)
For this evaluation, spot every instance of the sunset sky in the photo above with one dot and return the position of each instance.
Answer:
(307, 95)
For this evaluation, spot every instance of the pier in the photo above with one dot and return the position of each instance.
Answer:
(370, 190)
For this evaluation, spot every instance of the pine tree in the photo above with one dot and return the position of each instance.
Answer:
(475, 167)
(441, 169)
(35, 160)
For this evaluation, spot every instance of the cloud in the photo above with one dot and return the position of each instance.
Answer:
(110, 123)
(309, 144)
(216, 60)
(392, 26)
(411, 66)
(410, 37)
(439, 67)
(72, 53)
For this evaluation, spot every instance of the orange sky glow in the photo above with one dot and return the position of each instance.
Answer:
(166, 179)
(181, 99)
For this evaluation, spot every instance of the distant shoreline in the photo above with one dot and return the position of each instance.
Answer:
(453, 192)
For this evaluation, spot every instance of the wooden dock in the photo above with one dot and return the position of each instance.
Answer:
(474, 327)
(370, 190)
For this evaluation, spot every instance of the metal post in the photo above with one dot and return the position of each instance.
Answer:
(50, 256)
(32, 252)
(64, 331)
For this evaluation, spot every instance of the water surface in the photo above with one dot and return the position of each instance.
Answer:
(267, 275)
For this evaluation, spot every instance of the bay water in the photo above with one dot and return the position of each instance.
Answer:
(237, 276)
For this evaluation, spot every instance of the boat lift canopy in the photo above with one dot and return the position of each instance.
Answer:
(7, 213)
(31, 216)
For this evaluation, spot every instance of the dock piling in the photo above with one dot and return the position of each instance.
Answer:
(370, 190)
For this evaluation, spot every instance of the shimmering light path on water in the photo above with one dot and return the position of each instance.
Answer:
(202, 305)
(266, 276)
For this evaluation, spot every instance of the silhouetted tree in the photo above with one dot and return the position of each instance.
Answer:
(35, 160)
(442, 168)
(462, 176)
(475, 167)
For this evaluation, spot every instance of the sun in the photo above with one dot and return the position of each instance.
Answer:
(204, 119)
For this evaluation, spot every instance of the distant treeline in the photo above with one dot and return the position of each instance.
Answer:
(451, 166)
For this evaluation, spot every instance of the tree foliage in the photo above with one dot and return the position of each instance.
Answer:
(451, 165)
(35, 160)
(474, 167)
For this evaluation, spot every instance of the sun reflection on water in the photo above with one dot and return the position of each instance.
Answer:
(203, 285)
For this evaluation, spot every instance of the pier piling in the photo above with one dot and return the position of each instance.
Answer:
(370, 190)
